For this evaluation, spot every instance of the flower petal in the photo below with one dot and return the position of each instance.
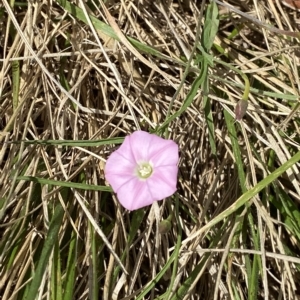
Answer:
(135, 194)
(163, 182)
(118, 164)
(118, 170)
(118, 180)
(125, 150)
(163, 153)
(140, 142)
(150, 147)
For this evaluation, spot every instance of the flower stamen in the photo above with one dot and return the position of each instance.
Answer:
(144, 170)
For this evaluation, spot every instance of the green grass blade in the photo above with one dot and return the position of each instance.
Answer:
(72, 143)
(254, 90)
(152, 284)
(71, 270)
(81, 186)
(188, 101)
(79, 14)
(135, 225)
(56, 281)
(256, 262)
(252, 269)
(288, 210)
(211, 26)
(210, 29)
(250, 194)
(176, 250)
(182, 291)
(208, 113)
(93, 267)
(236, 150)
(50, 241)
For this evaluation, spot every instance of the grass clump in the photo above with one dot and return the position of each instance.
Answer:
(78, 76)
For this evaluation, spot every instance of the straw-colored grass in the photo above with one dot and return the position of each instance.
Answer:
(77, 76)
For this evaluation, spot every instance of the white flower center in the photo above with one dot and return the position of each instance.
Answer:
(144, 170)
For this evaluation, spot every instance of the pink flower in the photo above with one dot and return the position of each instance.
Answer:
(143, 170)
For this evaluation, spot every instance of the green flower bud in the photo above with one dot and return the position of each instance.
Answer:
(240, 109)
(164, 226)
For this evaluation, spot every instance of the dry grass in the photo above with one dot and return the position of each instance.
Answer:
(64, 79)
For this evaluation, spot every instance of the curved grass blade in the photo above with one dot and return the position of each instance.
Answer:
(248, 195)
